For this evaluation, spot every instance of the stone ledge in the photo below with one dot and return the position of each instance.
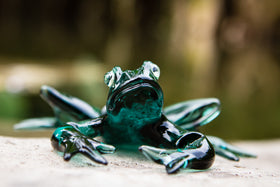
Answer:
(32, 162)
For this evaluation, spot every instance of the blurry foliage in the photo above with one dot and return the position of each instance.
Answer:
(12, 105)
(206, 48)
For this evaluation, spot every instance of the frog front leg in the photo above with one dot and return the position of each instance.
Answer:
(182, 149)
(191, 115)
(193, 152)
(78, 138)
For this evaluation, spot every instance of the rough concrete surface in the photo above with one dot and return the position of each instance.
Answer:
(32, 162)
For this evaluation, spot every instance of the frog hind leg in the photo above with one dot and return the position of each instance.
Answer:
(36, 123)
(66, 108)
(193, 152)
(228, 151)
(192, 114)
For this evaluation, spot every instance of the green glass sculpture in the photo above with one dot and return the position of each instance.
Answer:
(134, 116)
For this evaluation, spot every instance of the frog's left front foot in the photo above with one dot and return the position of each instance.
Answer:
(70, 141)
(193, 152)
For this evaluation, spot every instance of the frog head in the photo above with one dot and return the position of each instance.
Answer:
(134, 95)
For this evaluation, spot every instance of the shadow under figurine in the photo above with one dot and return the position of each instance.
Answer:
(134, 116)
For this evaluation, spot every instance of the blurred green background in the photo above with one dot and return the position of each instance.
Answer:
(228, 49)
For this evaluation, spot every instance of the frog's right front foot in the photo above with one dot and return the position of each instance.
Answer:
(193, 151)
(71, 141)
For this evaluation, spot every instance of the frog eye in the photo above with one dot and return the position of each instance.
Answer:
(155, 71)
(109, 79)
(150, 69)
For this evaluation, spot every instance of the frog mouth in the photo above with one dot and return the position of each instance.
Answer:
(144, 93)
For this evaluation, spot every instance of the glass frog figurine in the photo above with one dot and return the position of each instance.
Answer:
(134, 117)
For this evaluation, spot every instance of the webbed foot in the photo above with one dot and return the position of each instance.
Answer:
(228, 151)
(70, 141)
(193, 152)
(36, 123)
